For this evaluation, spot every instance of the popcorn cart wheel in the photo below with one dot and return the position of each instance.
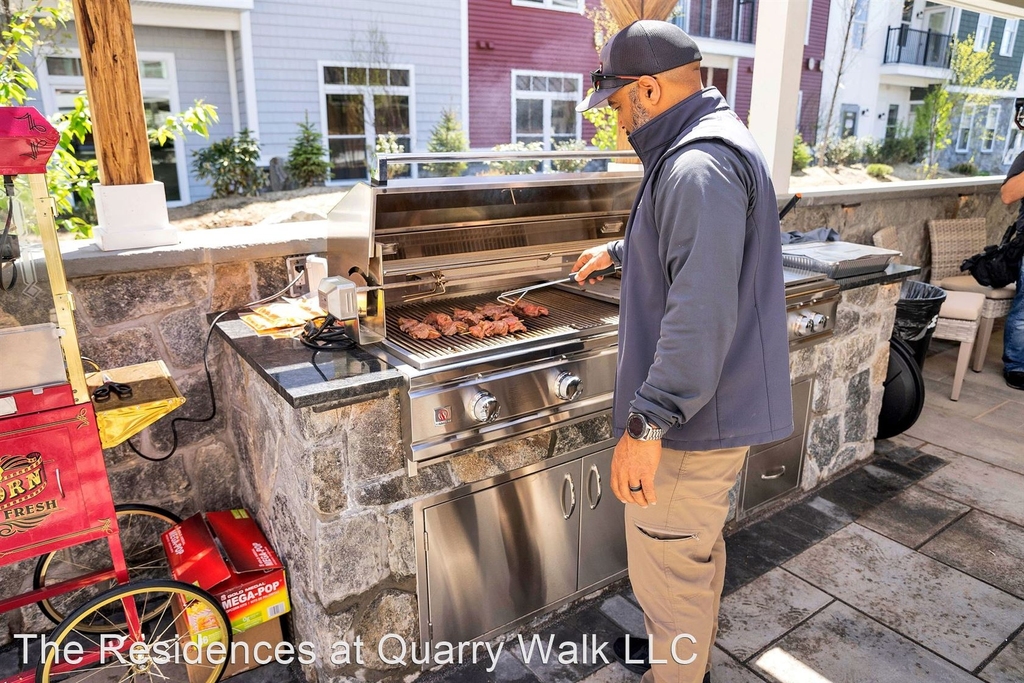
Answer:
(167, 653)
(139, 528)
(55, 499)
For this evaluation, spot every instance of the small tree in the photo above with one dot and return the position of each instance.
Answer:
(606, 125)
(447, 136)
(307, 160)
(230, 166)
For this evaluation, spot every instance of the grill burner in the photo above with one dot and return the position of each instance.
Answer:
(569, 315)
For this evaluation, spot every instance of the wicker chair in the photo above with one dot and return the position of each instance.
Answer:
(959, 317)
(952, 241)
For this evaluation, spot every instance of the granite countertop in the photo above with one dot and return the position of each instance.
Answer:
(894, 272)
(305, 377)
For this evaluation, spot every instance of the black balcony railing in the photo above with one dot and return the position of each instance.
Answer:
(725, 20)
(924, 48)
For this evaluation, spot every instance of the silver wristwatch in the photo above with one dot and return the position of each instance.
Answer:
(638, 427)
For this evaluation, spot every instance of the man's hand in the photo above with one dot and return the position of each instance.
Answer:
(592, 259)
(634, 464)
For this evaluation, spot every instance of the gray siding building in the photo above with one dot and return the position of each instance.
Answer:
(356, 69)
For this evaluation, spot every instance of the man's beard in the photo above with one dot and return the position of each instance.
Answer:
(639, 113)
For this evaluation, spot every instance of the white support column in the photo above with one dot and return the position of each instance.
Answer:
(252, 118)
(229, 48)
(778, 58)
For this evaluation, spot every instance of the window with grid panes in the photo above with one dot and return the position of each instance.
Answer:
(988, 136)
(544, 108)
(963, 133)
(361, 103)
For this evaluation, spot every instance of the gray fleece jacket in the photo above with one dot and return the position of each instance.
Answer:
(703, 350)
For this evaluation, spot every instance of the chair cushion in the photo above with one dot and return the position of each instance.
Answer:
(962, 305)
(967, 283)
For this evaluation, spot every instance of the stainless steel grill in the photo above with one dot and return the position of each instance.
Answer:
(569, 317)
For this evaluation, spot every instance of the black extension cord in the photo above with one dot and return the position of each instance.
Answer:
(324, 334)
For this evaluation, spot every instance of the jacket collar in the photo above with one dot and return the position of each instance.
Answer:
(652, 139)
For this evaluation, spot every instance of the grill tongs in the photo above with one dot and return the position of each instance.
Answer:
(514, 296)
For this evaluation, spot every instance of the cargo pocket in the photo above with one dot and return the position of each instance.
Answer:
(675, 535)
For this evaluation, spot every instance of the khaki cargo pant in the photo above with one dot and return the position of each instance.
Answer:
(677, 558)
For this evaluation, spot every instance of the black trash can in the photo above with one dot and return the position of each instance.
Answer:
(917, 312)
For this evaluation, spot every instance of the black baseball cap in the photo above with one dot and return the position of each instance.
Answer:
(644, 48)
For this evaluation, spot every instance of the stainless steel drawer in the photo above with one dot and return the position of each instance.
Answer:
(772, 472)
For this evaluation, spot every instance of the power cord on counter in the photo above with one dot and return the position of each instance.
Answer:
(323, 334)
(209, 377)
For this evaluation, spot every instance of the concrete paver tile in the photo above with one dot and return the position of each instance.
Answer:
(764, 610)
(613, 673)
(625, 615)
(946, 428)
(951, 613)
(982, 486)
(985, 547)
(724, 669)
(838, 644)
(1008, 416)
(913, 516)
(1008, 666)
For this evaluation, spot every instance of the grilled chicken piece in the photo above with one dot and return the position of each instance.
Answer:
(461, 314)
(528, 310)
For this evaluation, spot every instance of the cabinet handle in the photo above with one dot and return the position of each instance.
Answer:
(775, 475)
(572, 497)
(594, 473)
(60, 487)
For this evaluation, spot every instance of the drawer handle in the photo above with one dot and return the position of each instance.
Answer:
(60, 487)
(572, 497)
(775, 475)
(594, 475)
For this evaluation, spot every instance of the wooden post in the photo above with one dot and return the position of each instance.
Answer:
(107, 41)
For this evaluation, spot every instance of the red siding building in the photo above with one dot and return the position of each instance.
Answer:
(552, 52)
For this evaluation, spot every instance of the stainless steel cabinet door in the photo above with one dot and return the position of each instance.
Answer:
(502, 553)
(602, 527)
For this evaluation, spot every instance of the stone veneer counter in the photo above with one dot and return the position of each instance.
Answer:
(321, 459)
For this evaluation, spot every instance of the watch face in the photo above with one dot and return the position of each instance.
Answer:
(636, 425)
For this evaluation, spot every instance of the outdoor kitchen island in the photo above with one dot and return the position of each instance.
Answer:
(321, 446)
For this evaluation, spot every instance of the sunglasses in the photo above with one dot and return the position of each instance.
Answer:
(608, 81)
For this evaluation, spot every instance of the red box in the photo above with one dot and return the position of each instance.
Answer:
(226, 554)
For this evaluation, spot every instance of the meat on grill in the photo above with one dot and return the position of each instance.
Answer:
(528, 310)
(493, 311)
(467, 316)
(489, 328)
(417, 330)
(514, 324)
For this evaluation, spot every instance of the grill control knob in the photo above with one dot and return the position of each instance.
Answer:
(801, 324)
(820, 321)
(568, 387)
(485, 407)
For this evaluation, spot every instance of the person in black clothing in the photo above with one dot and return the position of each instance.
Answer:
(1013, 335)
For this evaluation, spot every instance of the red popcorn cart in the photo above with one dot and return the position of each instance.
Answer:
(99, 568)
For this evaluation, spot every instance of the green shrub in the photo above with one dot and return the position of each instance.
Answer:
(570, 165)
(388, 144)
(447, 136)
(843, 152)
(230, 166)
(879, 171)
(902, 148)
(802, 155)
(516, 166)
(606, 127)
(307, 160)
(966, 168)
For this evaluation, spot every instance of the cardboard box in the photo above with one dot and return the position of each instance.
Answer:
(226, 554)
(267, 635)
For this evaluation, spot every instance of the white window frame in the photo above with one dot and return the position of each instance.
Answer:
(549, 4)
(367, 91)
(1009, 37)
(966, 122)
(681, 15)
(983, 33)
(991, 126)
(1014, 144)
(547, 97)
(860, 20)
(166, 87)
(807, 28)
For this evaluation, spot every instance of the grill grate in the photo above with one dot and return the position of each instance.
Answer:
(571, 316)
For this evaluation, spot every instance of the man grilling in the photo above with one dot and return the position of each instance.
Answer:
(703, 370)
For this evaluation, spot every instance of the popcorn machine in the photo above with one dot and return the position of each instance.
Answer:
(98, 567)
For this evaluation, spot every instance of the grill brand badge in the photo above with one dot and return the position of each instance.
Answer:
(442, 415)
(22, 486)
